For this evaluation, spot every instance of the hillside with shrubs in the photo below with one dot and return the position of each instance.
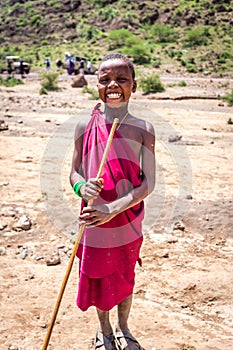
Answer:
(193, 36)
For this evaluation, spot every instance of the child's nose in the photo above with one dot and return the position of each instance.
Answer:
(113, 83)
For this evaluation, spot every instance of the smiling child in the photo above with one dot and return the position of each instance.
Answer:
(112, 237)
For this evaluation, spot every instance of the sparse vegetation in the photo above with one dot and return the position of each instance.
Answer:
(229, 99)
(49, 82)
(94, 95)
(151, 83)
(155, 36)
(197, 36)
(163, 33)
(10, 81)
(182, 83)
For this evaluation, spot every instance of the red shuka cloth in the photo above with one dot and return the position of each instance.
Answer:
(108, 253)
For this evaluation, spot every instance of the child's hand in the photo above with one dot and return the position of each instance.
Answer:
(92, 188)
(93, 216)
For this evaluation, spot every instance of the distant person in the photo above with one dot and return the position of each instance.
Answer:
(59, 64)
(47, 65)
(81, 67)
(21, 68)
(67, 57)
(9, 67)
(89, 65)
(71, 67)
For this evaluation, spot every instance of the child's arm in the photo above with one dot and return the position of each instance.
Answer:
(93, 216)
(91, 189)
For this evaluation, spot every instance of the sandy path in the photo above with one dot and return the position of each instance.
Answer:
(183, 292)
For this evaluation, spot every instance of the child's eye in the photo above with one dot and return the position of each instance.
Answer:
(103, 80)
(122, 79)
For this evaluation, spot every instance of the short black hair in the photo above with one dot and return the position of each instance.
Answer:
(119, 56)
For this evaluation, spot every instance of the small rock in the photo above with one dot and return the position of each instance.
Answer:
(190, 286)
(3, 125)
(30, 277)
(48, 120)
(189, 196)
(4, 183)
(60, 246)
(2, 226)
(13, 347)
(24, 223)
(55, 260)
(8, 211)
(172, 239)
(174, 138)
(39, 257)
(79, 81)
(2, 250)
(179, 225)
(24, 253)
(163, 254)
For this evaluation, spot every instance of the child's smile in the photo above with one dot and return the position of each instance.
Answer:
(115, 82)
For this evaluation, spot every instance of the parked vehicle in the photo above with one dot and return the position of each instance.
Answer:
(80, 64)
(15, 64)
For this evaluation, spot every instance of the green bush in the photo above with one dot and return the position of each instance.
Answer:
(118, 37)
(197, 36)
(182, 83)
(35, 20)
(43, 91)
(49, 81)
(151, 83)
(108, 13)
(229, 99)
(94, 93)
(22, 22)
(10, 81)
(191, 68)
(163, 33)
(139, 53)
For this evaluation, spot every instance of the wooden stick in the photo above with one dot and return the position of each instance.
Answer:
(69, 267)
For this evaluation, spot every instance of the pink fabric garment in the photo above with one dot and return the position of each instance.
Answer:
(108, 253)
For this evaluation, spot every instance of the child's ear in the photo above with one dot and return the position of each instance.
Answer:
(134, 88)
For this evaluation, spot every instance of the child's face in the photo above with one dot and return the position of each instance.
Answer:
(115, 82)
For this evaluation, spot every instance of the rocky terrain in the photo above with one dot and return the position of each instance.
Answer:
(183, 294)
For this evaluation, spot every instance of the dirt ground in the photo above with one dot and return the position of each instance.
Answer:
(183, 293)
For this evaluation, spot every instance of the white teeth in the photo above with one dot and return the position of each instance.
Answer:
(114, 95)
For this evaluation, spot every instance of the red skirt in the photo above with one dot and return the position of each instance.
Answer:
(110, 290)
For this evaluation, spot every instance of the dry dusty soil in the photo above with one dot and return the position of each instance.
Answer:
(183, 292)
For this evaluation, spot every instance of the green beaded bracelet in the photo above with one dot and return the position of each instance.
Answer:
(77, 187)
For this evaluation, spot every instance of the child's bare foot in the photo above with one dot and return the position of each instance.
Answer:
(125, 341)
(104, 342)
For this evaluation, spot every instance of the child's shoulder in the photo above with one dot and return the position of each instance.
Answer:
(81, 125)
(143, 124)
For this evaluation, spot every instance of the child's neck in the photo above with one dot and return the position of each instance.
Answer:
(119, 113)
